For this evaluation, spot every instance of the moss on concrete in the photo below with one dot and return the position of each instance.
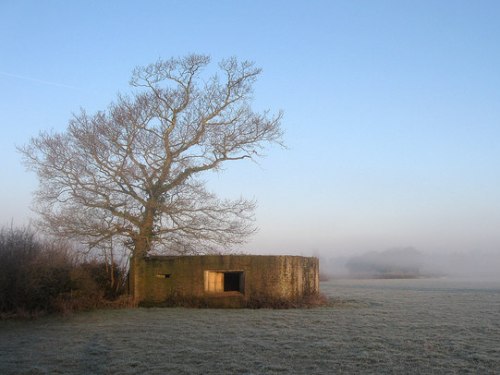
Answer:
(268, 280)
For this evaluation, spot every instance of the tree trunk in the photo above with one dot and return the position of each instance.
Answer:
(142, 245)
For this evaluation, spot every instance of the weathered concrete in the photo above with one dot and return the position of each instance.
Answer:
(224, 280)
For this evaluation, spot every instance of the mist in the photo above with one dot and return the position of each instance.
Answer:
(409, 262)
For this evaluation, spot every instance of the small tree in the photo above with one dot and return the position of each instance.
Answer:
(33, 274)
(133, 172)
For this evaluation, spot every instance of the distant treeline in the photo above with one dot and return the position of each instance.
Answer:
(38, 277)
(394, 263)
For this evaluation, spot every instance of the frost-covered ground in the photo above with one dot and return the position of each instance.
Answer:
(374, 326)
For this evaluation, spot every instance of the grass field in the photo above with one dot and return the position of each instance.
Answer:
(371, 327)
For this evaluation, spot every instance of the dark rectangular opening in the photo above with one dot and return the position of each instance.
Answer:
(163, 275)
(233, 281)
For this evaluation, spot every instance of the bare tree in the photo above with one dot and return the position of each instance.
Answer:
(132, 172)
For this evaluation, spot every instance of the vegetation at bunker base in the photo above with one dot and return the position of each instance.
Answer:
(39, 277)
(306, 302)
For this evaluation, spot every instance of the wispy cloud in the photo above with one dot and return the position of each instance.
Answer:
(40, 81)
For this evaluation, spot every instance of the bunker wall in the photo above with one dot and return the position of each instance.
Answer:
(224, 280)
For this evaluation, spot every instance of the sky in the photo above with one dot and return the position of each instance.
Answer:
(391, 109)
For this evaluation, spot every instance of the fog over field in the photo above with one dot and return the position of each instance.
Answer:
(466, 265)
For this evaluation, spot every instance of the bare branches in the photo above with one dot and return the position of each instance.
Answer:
(131, 171)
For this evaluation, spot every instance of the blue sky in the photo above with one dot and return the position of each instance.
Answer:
(392, 113)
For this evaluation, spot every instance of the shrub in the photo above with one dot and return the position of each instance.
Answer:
(41, 277)
(100, 274)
